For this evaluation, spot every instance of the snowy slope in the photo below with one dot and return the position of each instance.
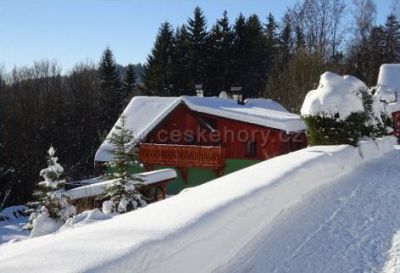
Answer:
(345, 227)
(212, 226)
(12, 221)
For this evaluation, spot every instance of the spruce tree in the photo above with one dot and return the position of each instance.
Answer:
(108, 72)
(181, 84)
(272, 40)
(158, 70)
(285, 41)
(239, 51)
(255, 62)
(129, 82)
(197, 36)
(392, 39)
(219, 70)
(123, 194)
(49, 199)
(300, 42)
(110, 97)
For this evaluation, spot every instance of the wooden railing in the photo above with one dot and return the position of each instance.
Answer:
(182, 156)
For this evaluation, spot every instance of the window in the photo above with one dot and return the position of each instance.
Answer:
(208, 123)
(251, 148)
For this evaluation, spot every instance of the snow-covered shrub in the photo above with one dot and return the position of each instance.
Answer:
(50, 205)
(123, 194)
(342, 110)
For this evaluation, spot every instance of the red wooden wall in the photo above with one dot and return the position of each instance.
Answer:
(234, 135)
(396, 123)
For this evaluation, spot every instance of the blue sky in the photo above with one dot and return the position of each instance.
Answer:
(70, 31)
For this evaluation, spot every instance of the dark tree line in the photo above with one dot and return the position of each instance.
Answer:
(280, 59)
(40, 107)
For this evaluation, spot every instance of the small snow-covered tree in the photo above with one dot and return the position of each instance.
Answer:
(123, 194)
(49, 198)
(342, 110)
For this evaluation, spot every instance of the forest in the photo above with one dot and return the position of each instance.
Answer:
(278, 58)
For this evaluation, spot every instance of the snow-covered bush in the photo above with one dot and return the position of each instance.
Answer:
(51, 207)
(123, 194)
(342, 110)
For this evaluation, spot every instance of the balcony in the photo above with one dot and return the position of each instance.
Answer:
(182, 156)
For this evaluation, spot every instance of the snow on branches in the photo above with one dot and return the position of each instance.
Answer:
(51, 207)
(123, 194)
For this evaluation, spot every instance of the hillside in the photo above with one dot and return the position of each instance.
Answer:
(318, 207)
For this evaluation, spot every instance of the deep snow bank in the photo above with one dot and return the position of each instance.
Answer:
(392, 265)
(335, 95)
(198, 230)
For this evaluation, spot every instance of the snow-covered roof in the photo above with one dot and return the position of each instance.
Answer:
(393, 107)
(265, 103)
(144, 113)
(389, 82)
(335, 95)
(99, 188)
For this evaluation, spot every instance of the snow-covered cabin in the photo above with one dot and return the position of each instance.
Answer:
(206, 137)
(388, 89)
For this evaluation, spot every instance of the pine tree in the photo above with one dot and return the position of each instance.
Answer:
(49, 199)
(219, 70)
(129, 82)
(108, 72)
(285, 41)
(376, 55)
(272, 40)
(392, 39)
(255, 61)
(158, 70)
(123, 194)
(300, 42)
(239, 51)
(181, 84)
(110, 101)
(197, 36)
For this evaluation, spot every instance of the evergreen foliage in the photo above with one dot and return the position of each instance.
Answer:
(110, 83)
(392, 39)
(108, 71)
(40, 106)
(123, 194)
(331, 131)
(180, 62)
(197, 47)
(49, 199)
(129, 82)
(157, 71)
(219, 68)
(327, 130)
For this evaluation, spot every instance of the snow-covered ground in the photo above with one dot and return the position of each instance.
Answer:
(322, 209)
(347, 226)
(11, 225)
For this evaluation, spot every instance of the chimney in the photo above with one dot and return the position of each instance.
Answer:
(199, 90)
(237, 94)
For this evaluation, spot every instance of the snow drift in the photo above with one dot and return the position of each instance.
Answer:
(198, 230)
(335, 95)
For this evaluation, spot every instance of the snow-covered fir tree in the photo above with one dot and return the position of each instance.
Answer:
(123, 194)
(50, 202)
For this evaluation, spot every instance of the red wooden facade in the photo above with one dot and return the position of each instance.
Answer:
(237, 140)
(396, 123)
